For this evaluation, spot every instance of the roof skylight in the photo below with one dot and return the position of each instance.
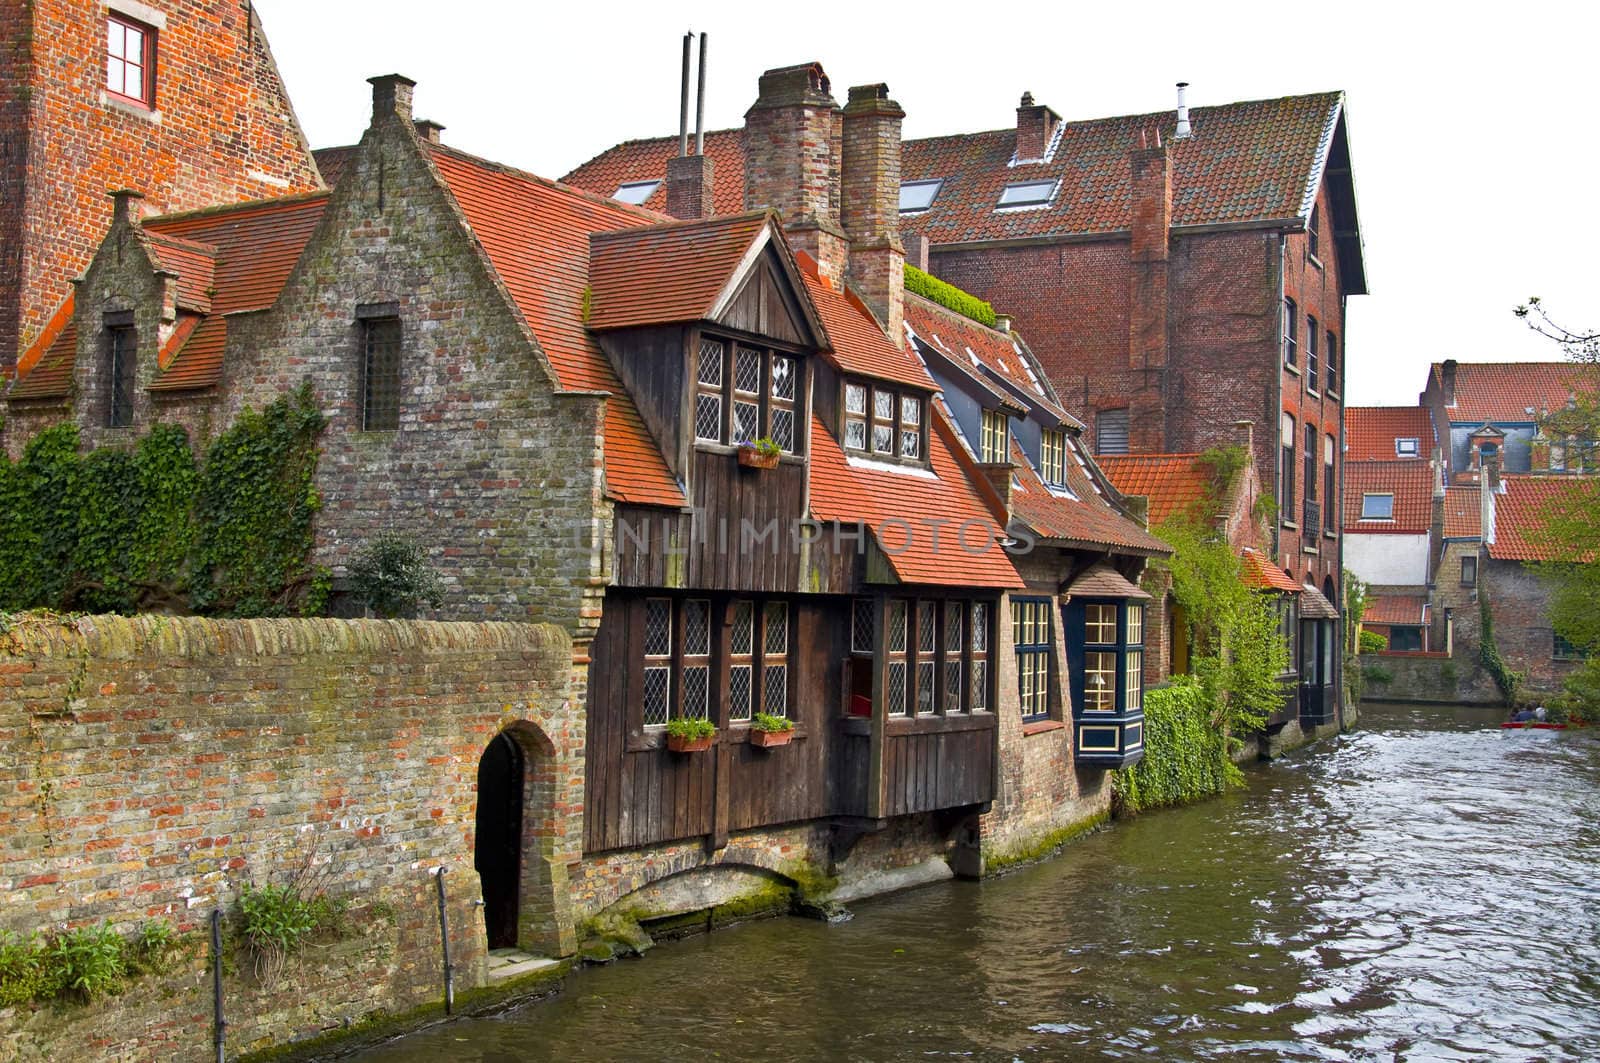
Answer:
(918, 195)
(1027, 194)
(635, 192)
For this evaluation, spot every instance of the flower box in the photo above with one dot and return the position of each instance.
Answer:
(682, 744)
(769, 739)
(751, 458)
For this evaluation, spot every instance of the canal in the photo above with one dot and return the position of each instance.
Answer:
(1421, 889)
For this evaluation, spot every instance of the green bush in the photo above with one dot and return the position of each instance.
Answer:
(949, 296)
(83, 964)
(767, 722)
(1185, 755)
(390, 575)
(683, 727)
(1372, 642)
(89, 961)
(22, 968)
(277, 920)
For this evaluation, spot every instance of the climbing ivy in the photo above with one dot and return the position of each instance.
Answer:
(1186, 756)
(139, 529)
(1504, 676)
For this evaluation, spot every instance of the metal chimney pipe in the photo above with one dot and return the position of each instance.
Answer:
(683, 100)
(700, 104)
(1183, 132)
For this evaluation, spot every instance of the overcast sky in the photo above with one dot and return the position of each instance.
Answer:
(1474, 128)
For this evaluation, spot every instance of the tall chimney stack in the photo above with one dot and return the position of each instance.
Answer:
(870, 203)
(1184, 130)
(792, 147)
(391, 97)
(1447, 381)
(1150, 174)
(690, 177)
(1036, 124)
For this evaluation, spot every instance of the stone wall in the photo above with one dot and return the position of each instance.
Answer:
(150, 768)
(1415, 677)
(1519, 600)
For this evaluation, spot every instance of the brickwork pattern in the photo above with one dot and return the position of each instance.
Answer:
(151, 767)
(223, 130)
(1519, 600)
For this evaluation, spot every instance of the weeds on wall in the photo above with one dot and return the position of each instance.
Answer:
(82, 965)
(1506, 678)
(275, 921)
(1186, 756)
(147, 529)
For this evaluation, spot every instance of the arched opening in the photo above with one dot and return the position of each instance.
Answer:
(497, 854)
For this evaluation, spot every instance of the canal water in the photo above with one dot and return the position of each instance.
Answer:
(1422, 889)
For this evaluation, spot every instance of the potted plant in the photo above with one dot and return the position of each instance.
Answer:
(690, 735)
(767, 731)
(759, 453)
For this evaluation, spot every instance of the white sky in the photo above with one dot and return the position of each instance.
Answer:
(1473, 127)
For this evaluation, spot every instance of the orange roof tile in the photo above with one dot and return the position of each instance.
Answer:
(664, 274)
(982, 353)
(1086, 519)
(1261, 573)
(1411, 484)
(1370, 432)
(536, 233)
(859, 345)
(45, 369)
(1396, 609)
(1174, 483)
(194, 263)
(898, 505)
(1103, 581)
(192, 358)
(256, 245)
(646, 160)
(1521, 510)
(1504, 391)
(1462, 517)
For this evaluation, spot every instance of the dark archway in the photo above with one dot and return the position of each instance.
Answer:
(497, 854)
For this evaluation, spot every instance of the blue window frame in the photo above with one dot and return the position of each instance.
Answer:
(1105, 648)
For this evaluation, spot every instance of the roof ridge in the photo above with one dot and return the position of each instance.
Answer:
(673, 224)
(550, 183)
(244, 206)
(197, 246)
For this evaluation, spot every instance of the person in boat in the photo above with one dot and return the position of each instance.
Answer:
(1524, 715)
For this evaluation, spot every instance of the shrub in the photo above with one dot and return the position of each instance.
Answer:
(1185, 755)
(767, 722)
(390, 575)
(22, 968)
(88, 961)
(948, 296)
(275, 920)
(1372, 642)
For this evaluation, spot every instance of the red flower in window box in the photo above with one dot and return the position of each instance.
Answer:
(760, 454)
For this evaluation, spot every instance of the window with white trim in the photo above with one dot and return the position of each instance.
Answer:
(1409, 447)
(1027, 193)
(1113, 656)
(1053, 458)
(918, 195)
(130, 60)
(1377, 506)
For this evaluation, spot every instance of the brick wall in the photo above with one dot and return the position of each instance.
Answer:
(223, 130)
(149, 768)
(16, 61)
(1519, 601)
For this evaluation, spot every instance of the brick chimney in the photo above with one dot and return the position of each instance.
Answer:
(1036, 124)
(1447, 380)
(870, 203)
(1150, 172)
(391, 97)
(126, 206)
(689, 181)
(792, 146)
(428, 130)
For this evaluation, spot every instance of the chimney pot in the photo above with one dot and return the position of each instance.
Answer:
(428, 130)
(391, 97)
(1184, 130)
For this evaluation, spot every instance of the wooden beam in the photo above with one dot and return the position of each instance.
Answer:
(880, 706)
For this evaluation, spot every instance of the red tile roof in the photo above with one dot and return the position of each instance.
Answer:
(1174, 483)
(1103, 581)
(665, 274)
(45, 369)
(535, 233)
(973, 348)
(890, 502)
(1248, 161)
(1411, 483)
(1396, 609)
(192, 358)
(859, 345)
(194, 263)
(1261, 573)
(1503, 391)
(1086, 520)
(646, 160)
(255, 246)
(1521, 510)
(1370, 432)
(1462, 517)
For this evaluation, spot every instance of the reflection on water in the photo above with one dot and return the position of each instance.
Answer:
(1422, 889)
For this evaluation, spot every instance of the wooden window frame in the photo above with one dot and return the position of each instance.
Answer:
(897, 423)
(1287, 444)
(1053, 458)
(961, 636)
(1034, 655)
(1311, 354)
(994, 440)
(146, 65)
(122, 371)
(765, 398)
(1125, 651)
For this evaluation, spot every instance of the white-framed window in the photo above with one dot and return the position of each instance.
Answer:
(855, 417)
(918, 195)
(1409, 447)
(994, 445)
(635, 192)
(1377, 506)
(1053, 458)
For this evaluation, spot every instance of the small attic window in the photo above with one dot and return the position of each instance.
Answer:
(1377, 506)
(1407, 448)
(1027, 194)
(635, 192)
(918, 195)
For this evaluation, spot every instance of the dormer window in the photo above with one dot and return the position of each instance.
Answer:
(918, 195)
(993, 445)
(744, 393)
(1407, 448)
(884, 422)
(1027, 194)
(1053, 458)
(635, 192)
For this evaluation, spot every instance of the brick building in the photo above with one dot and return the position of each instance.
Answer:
(178, 98)
(1171, 282)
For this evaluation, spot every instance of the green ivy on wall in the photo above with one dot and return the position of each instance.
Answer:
(145, 528)
(1186, 756)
